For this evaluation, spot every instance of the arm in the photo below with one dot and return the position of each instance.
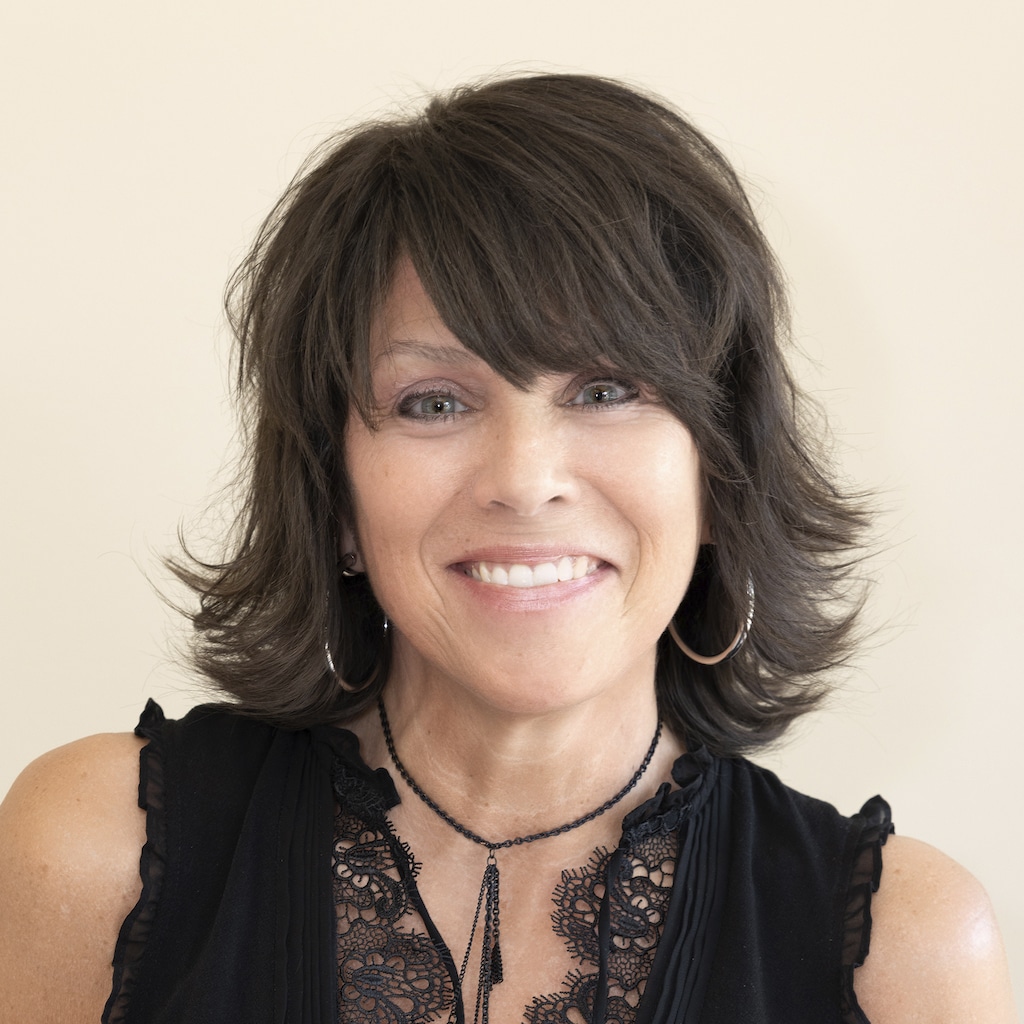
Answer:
(71, 833)
(936, 954)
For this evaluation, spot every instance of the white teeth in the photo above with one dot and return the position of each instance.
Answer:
(520, 576)
(568, 567)
(544, 574)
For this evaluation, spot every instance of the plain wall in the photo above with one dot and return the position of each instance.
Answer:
(144, 143)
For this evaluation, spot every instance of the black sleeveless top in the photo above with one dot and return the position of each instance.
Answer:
(731, 898)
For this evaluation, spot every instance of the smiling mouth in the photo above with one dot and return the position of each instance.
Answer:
(513, 574)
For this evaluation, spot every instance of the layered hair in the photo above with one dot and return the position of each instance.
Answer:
(556, 222)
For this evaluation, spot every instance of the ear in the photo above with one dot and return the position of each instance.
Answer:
(705, 529)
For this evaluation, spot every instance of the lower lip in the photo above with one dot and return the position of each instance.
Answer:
(528, 599)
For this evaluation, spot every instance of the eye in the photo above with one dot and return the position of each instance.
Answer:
(431, 405)
(605, 392)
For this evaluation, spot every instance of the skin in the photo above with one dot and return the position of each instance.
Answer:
(71, 834)
(496, 693)
(462, 468)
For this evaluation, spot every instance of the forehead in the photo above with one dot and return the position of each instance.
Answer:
(407, 325)
(406, 305)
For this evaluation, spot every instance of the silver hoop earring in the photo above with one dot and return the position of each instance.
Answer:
(329, 659)
(347, 564)
(737, 641)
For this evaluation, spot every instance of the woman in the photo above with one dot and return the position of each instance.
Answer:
(532, 514)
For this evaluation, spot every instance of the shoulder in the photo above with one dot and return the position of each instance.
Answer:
(936, 952)
(71, 833)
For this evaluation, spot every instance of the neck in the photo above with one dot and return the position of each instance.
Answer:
(504, 774)
(494, 844)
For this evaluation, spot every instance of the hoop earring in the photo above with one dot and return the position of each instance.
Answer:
(329, 659)
(737, 641)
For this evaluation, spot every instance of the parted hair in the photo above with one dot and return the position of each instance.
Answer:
(557, 222)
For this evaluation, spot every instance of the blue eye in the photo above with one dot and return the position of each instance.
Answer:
(435, 405)
(604, 392)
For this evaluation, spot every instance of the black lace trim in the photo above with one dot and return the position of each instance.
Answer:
(134, 933)
(865, 876)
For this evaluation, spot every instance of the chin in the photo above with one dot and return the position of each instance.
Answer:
(533, 695)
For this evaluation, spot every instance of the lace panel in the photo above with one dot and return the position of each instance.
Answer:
(640, 894)
(394, 967)
(389, 968)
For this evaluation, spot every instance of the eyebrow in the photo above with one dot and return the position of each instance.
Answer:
(454, 355)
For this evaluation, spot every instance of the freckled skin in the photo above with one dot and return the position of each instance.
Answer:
(71, 834)
(936, 953)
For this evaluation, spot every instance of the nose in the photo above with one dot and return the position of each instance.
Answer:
(525, 459)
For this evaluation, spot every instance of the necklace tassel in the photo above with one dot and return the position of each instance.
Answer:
(491, 970)
(492, 918)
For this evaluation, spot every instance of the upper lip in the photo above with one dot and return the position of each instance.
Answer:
(526, 554)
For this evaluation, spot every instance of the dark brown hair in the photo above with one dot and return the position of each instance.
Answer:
(556, 221)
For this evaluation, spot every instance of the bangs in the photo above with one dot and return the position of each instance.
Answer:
(542, 251)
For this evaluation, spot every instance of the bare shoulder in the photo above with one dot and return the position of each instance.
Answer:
(936, 953)
(71, 832)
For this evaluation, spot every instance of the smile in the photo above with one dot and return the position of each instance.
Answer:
(569, 567)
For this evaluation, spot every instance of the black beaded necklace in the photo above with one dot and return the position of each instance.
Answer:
(488, 901)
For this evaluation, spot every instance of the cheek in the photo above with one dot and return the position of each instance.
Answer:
(397, 495)
(670, 510)
(378, 506)
(369, 481)
(671, 482)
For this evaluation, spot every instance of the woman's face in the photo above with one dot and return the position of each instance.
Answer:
(528, 546)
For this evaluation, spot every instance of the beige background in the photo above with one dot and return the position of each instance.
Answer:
(144, 142)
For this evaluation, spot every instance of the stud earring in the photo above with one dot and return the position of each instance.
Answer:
(348, 563)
